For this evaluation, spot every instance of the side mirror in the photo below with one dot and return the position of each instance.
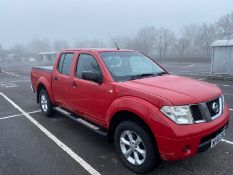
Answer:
(92, 76)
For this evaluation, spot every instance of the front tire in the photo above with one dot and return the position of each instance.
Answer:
(135, 147)
(45, 103)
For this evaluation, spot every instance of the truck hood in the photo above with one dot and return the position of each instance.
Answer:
(177, 89)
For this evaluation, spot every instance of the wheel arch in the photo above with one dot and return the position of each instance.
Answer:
(43, 83)
(39, 88)
(125, 115)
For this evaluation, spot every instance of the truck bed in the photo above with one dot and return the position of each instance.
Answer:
(45, 68)
(44, 72)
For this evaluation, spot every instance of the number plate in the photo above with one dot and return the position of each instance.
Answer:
(217, 139)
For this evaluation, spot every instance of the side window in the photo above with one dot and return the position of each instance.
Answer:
(86, 62)
(65, 63)
(61, 63)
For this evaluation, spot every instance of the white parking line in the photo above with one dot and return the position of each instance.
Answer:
(227, 141)
(231, 109)
(190, 65)
(12, 116)
(11, 73)
(185, 74)
(16, 81)
(8, 85)
(65, 148)
(187, 71)
(225, 85)
(201, 79)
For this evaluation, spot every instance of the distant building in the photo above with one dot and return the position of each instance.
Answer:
(222, 57)
(10, 58)
(47, 58)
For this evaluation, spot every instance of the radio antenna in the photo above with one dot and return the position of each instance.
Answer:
(114, 42)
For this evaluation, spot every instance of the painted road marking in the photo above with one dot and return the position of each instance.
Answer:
(11, 73)
(16, 81)
(225, 85)
(231, 109)
(188, 74)
(186, 71)
(201, 79)
(190, 65)
(8, 85)
(12, 116)
(227, 141)
(65, 148)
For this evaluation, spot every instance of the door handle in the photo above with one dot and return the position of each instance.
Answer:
(74, 84)
(55, 79)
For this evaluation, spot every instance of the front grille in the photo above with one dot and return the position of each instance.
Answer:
(210, 107)
(196, 112)
(207, 111)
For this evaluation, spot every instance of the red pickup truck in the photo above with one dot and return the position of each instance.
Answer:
(149, 114)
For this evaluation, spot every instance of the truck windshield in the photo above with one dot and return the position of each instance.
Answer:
(125, 66)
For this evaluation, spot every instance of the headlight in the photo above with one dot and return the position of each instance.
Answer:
(179, 114)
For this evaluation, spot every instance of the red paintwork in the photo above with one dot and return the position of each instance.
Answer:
(144, 97)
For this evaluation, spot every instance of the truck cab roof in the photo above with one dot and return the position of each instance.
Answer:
(96, 50)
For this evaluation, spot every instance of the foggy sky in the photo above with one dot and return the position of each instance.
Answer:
(24, 20)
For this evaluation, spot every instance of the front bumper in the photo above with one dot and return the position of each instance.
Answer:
(191, 139)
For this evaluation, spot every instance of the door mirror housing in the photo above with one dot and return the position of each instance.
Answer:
(92, 76)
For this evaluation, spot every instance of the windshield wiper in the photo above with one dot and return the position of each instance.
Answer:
(161, 73)
(141, 76)
(147, 75)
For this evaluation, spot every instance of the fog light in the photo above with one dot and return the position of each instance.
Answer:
(187, 149)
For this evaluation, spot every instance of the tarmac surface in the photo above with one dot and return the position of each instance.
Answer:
(31, 143)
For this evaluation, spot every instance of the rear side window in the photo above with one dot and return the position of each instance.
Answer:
(65, 63)
(61, 63)
(86, 62)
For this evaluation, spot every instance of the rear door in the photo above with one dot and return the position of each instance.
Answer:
(61, 80)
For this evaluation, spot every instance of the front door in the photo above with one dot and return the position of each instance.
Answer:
(89, 98)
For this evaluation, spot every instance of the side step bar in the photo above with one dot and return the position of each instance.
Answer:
(78, 119)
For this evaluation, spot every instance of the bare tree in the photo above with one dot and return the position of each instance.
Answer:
(19, 49)
(38, 45)
(89, 44)
(145, 40)
(225, 27)
(181, 45)
(190, 33)
(165, 40)
(60, 44)
(206, 35)
(122, 42)
(1, 51)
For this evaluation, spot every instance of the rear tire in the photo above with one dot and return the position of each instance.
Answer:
(135, 147)
(45, 103)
